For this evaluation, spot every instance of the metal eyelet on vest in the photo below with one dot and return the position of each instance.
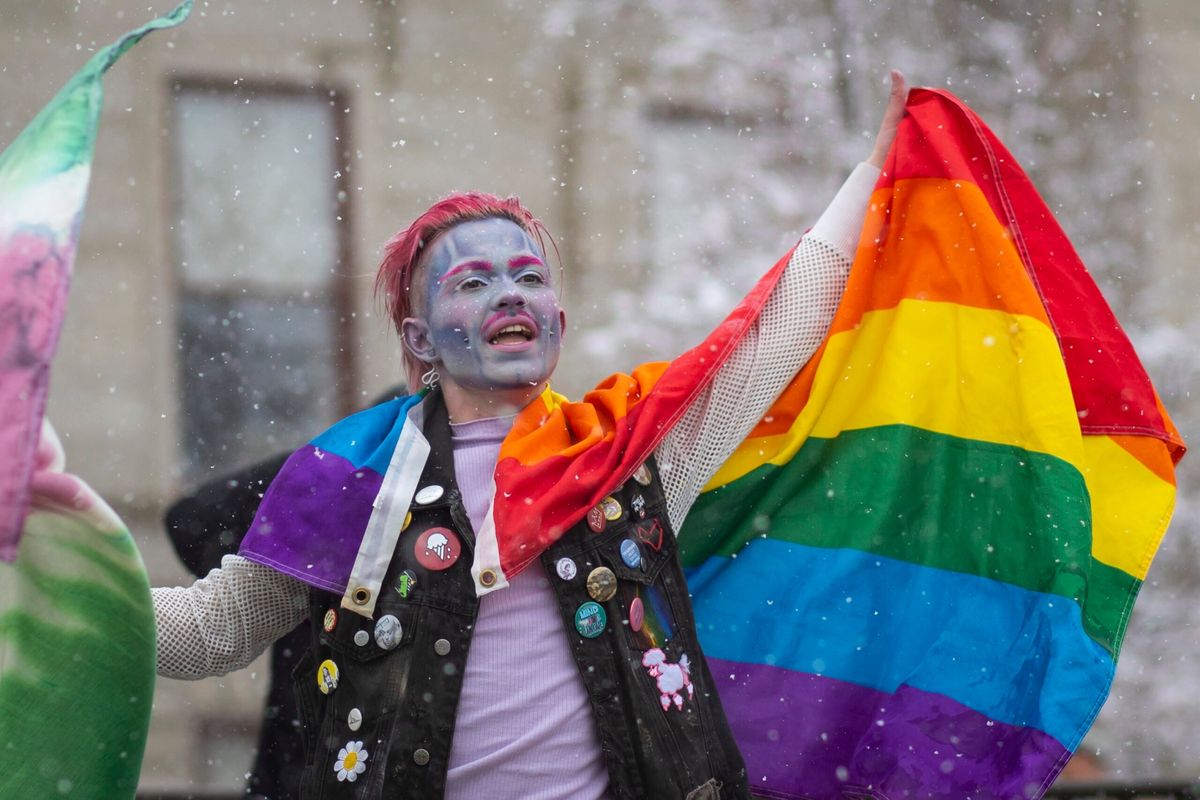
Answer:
(361, 596)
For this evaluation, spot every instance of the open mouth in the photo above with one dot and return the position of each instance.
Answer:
(516, 333)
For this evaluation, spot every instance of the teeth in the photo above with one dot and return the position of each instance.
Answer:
(523, 330)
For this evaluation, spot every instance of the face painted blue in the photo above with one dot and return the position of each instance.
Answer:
(490, 320)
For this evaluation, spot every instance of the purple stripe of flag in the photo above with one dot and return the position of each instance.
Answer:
(848, 741)
(311, 522)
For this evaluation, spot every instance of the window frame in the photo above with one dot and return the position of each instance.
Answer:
(340, 289)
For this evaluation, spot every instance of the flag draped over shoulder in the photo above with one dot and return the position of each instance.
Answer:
(76, 624)
(913, 577)
(559, 459)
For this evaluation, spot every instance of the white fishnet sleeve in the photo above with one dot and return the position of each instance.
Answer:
(792, 325)
(223, 621)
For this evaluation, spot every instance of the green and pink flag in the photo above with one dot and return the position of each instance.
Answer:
(76, 624)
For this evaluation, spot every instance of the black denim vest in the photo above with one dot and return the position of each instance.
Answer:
(661, 726)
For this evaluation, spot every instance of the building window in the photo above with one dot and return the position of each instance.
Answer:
(260, 240)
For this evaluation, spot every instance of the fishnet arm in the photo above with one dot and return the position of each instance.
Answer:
(223, 621)
(792, 325)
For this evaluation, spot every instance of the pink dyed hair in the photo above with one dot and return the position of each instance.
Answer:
(402, 254)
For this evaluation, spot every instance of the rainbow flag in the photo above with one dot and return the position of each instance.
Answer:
(913, 577)
(76, 623)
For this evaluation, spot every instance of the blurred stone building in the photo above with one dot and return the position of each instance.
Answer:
(251, 163)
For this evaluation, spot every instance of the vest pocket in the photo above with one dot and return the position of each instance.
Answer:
(344, 687)
(652, 542)
(359, 639)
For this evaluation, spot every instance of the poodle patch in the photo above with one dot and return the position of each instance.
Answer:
(673, 678)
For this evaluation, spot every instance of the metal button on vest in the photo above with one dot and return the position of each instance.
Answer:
(361, 638)
(442, 647)
(595, 519)
(437, 549)
(428, 494)
(327, 676)
(388, 632)
(601, 584)
(637, 614)
(638, 504)
(611, 508)
(406, 584)
(631, 554)
(354, 719)
(421, 757)
(565, 568)
(590, 619)
(642, 475)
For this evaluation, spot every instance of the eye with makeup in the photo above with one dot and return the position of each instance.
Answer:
(471, 283)
(532, 279)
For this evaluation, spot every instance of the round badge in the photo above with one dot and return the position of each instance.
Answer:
(437, 549)
(595, 519)
(642, 475)
(330, 621)
(362, 638)
(354, 719)
(590, 620)
(407, 522)
(406, 584)
(637, 614)
(631, 554)
(601, 584)
(327, 676)
(565, 568)
(388, 632)
(611, 508)
(429, 494)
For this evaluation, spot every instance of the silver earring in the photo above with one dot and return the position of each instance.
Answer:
(430, 379)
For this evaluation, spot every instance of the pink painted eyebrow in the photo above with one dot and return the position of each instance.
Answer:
(486, 266)
(479, 264)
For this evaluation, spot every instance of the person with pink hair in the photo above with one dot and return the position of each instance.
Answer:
(579, 679)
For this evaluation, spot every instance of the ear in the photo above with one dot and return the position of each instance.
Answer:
(414, 332)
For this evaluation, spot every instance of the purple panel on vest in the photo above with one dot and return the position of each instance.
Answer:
(311, 522)
(793, 732)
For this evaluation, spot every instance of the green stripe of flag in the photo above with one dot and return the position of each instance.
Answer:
(1018, 517)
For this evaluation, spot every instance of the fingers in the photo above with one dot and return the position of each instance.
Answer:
(891, 118)
(897, 96)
